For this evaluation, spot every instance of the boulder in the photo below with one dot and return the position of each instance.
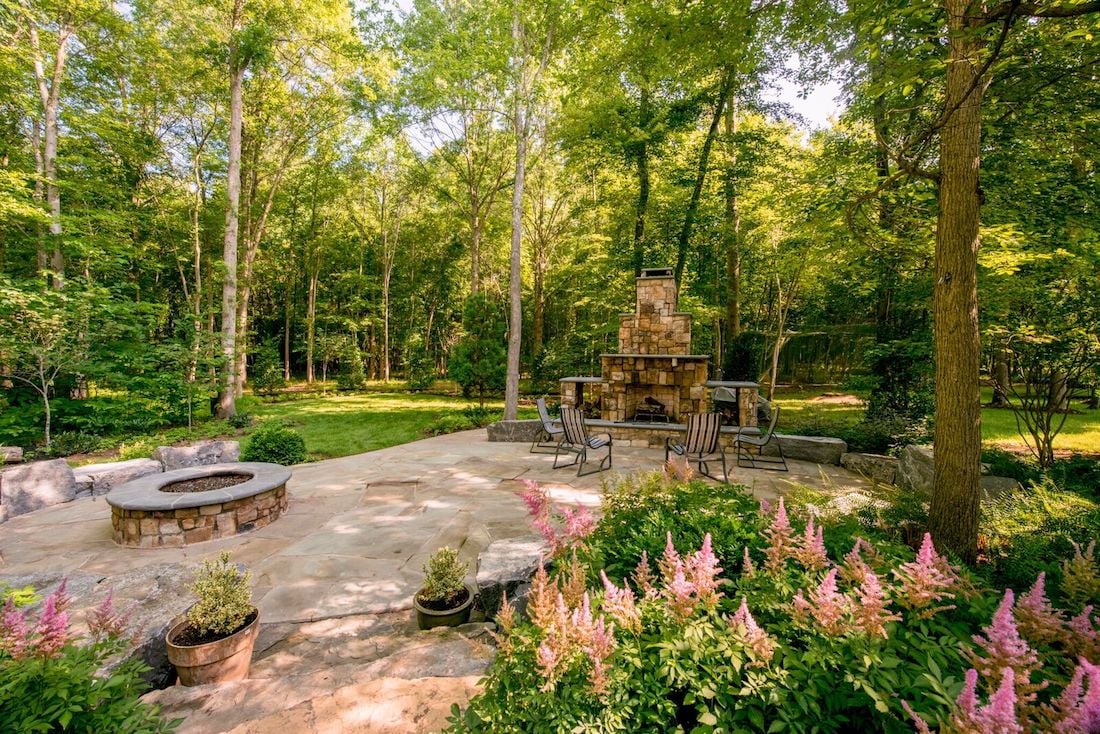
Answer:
(996, 486)
(11, 454)
(763, 410)
(505, 566)
(915, 469)
(873, 466)
(199, 454)
(524, 431)
(818, 449)
(29, 487)
(102, 478)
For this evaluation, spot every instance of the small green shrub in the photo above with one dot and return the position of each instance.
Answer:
(138, 448)
(240, 420)
(444, 576)
(639, 511)
(225, 601)
(1077, 474)
(267, 371)
(67, 443)
(351, 375)
(276, 444)
(1006, 464)
(466, 419)
(420, 369)
(19, 597)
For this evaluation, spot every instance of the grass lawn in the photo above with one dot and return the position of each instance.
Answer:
(803, 408)
(341, 425)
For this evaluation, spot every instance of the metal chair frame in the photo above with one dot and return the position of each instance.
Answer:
(759, 443)
(577, 441)
(552, 433)
(702, 445)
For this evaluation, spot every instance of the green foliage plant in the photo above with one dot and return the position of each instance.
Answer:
(22, 596)
(444, 576)
(420, 370)
(796, 638)
(352, 376)
(224, 598)
(275, 444)
(51, 680)
(267, 370)
(478, 360)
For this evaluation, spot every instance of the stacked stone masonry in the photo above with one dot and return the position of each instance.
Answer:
(187, 525)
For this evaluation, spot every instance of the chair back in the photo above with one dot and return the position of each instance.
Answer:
(772, 422)
(572, 420)
(544, 414)
(702, 433)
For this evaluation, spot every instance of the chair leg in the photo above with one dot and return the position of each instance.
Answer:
(582, 458)
(725, 470)
(557, 453)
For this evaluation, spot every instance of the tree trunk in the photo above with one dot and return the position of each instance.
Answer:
(311, 323)
(1001, 378)
(641, 159)
(287, 323)
(780, 326)
(387, 268)
(42, 262)
(956, 492)
(515, 317)
(701, 175)
(475, 250)
(49, 93)
(227, 403)
(733, 231)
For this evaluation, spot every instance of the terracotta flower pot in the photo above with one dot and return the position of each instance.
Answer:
(213, 662)
(426, 618)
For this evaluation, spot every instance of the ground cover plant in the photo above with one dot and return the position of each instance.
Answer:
(52, 680)
(796, 635)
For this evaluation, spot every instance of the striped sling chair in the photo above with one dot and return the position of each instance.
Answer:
(702, 445)
(577, 441)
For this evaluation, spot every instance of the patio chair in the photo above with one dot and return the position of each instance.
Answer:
(577, 441)
(702, 445)
(551, 433)
(744, 444)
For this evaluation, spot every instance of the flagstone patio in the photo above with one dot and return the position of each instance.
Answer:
(350, 547)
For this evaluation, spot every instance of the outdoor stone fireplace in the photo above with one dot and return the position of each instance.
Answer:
(654, 376)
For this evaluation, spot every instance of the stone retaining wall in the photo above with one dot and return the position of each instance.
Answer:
(187, 525)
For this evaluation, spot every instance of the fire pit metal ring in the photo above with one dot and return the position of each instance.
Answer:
(144, 516)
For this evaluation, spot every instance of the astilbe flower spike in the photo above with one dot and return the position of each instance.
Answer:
(810, 548)
(779, 540)
(854, 567)
(644, 579)
(53, 624)
(1081, 575)
(106, 622)
(561, 527)
(620, 604)
(765, 507)
(747, 568)
(756, 639)
(926, 581)
(1001, 648)
(14, 633)
(702, 571)
(1084, 634)
(871, 611)
(997, 717)
(1077, 709)
(828, 607)
(1037, 619)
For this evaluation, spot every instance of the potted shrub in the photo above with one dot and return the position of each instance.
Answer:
(445, 600)
(213, 644)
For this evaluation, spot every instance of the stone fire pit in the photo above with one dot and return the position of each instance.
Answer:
(197, 504)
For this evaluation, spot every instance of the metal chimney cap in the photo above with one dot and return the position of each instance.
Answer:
(657, 273)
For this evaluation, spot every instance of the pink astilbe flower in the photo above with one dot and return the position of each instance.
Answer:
(621, 605)
(854, 567)
(828, 607)
(702, 571)
(548, 660)
(52, 629)
(779, 537)
(765, 507)
(680, 595)
(106, 622)
(926, 581)
(1037, 619)
(1001, 647)
(810, 548)
(1084, 634)
(644, 579)
(670, 561)
(997, 717)
(561, 527)
(1072, 712)
(756, 639)
(747, 567)
(598, 648)
(15, 636)
(1081, 576)
(871, 611)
